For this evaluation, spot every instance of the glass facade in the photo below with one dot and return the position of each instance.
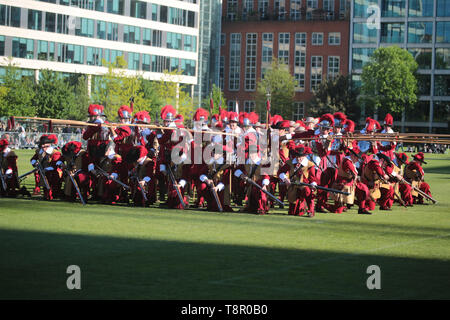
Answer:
(423, 57)
(360, 56)
(362, 34)
(443, 8)
(421, 8)
(443, 32)
(392, 32)
(420, 32)
(393, 8)
(361, 8)
(443, 58)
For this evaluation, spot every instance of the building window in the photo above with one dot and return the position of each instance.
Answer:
(280, 9)
(231, 105)
(223, 39)
(298, 111)
(94, 56)
(421, 8)
(299, 81)
(190, 43)
(333, 67)
(85, 28)
(113, 31)
(317, 38)
(443, 8)
(133, 61)
(146, 62)
(267, 47)
(235, 61)
(249, 106)
(328, 5)
(360, 57)
(443, 58)
(360, 8)
(23, 48)
(115, 6)
(316, 72)
(70, 53)
(50, 22)
(442, 85)
(392, 32)
(443, 32)
(422, 56)
(188, 67)
(283, 47)
(2, 45)
(232, 7)
(300, 39)
(362, 34)
(393, 8)
(34, 19)
(295, 13)
(300, 58)
(147, 37)
(138, 9)
(131, 34)
(263, 7)
(420, 32)
(250, 62)
(173, 40)
(334, 38)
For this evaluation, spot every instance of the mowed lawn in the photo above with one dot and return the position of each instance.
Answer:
(152, 253)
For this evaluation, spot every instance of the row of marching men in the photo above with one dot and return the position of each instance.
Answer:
(317, 170)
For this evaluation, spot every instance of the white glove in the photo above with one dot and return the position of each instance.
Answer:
(59, 163)
(91, 167)
(9, 171)
(114, 175)
(220, 187)
(33, 162)
(182, 183)
(147, 179)
(265, 182)
(162, 167)
(203, 178)
(49, 169)
(238, 173)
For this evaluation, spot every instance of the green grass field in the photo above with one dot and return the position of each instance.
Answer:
(152, 253)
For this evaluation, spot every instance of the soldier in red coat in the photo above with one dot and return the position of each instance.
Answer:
(8, 166)
(48, 156)
(75, 160)
(142, 173)
(415, 175)
(300, 169)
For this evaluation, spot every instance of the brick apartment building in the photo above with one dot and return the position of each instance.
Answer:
(311, 36)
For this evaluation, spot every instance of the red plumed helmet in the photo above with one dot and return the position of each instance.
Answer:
(179, 118)
(244, 119)
(275, 119)
(349, 125)
(253, 117)
(124, 112)
(168, 113)
(285, 124)
(326, 121)
(3, 144)
(389, 120)
(96, 110)
(71, 148)
(301, 150)
(224, 115)
(233, 116)
(54, 138)
(339, 119)
(201, 115)
(142, 117)
(372, 125)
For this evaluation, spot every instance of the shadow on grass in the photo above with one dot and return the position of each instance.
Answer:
(33, 266)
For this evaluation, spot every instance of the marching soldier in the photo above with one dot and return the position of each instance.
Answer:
(9, 184)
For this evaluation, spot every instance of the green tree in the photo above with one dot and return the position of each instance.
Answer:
(116, 87)
(17, 93)
(280, 84)
(171, 91)
(218, 99)
(55, 97)
(388, 80)
(335, 95)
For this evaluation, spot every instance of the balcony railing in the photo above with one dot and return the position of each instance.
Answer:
(283, 15)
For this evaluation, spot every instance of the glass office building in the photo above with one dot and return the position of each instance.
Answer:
(423, 28)
(78, 36)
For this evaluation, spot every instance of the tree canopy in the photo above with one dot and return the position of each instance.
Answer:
(388, 80)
